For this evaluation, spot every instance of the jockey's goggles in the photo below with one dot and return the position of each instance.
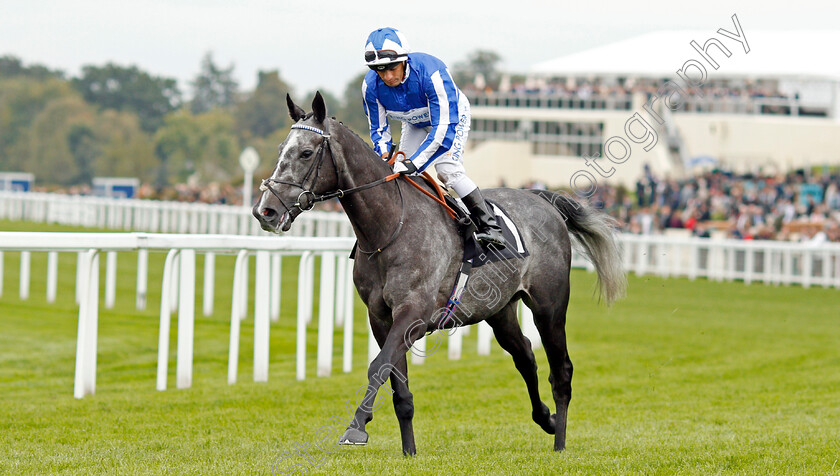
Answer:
(383, 58)
(384, 67)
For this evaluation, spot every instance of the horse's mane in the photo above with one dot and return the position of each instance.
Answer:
(351, 131)
(354, 134)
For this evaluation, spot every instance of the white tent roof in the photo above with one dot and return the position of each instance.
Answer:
(773, 54)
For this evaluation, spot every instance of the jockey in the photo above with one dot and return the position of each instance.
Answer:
(416, 89)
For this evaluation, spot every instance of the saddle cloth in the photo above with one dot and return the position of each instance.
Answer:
(515, 246)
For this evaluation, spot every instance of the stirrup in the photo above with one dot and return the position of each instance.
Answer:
(491, 237)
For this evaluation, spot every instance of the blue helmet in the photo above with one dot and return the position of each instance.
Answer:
(384, 47)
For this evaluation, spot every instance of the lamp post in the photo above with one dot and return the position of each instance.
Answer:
(249, 160)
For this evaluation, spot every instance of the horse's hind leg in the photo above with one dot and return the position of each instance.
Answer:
(510, 338)
(551, 322)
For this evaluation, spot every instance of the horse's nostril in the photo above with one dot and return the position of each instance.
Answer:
(269, 214)
(264, 213)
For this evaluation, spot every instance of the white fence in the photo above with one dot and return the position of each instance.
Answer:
(767, 261)
(337, 294)
(156, 216)
(770, 262)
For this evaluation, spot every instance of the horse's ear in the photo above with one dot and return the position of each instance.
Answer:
(294, 110)
(319, 108)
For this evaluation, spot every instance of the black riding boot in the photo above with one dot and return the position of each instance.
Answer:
(489, 232)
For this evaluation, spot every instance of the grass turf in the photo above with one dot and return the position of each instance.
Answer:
(678, 378)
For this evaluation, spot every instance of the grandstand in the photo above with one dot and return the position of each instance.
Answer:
(771, 105)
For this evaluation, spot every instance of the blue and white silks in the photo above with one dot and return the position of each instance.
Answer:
(427, 99)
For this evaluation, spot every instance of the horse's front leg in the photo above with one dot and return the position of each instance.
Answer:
(408, 326)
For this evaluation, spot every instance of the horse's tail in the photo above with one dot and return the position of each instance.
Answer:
(594, 231)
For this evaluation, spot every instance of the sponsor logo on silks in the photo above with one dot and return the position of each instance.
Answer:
(457, 150)
(458, 144)
(413, 117)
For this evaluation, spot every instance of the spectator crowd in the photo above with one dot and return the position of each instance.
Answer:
(797, 206)
(726, 95)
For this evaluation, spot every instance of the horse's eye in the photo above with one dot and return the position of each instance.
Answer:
(306, 154)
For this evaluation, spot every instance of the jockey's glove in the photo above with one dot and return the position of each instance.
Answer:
(406, 167)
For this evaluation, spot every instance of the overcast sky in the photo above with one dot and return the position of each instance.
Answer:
(318, 44)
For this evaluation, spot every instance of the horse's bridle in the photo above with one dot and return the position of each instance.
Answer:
(306, 192)
(313, 198)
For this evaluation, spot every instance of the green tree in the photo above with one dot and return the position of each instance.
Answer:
(219, 159)
(213, 87)
(125, 150)
(203, 144)
(83, 148)
(21, 101)
(58, 142)
(481, 62)
(12, 67)
(176, 144)
(265, 110)
(70, 142)
(129, 89)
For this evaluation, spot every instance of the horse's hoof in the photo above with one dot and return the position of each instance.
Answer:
(353, 437)
(545, 419)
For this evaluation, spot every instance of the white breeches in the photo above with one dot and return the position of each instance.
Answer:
(449, 166)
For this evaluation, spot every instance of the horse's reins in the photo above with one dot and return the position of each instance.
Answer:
(313, 198)
(425, 175)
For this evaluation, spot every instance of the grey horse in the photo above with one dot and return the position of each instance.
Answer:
(409, 253)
